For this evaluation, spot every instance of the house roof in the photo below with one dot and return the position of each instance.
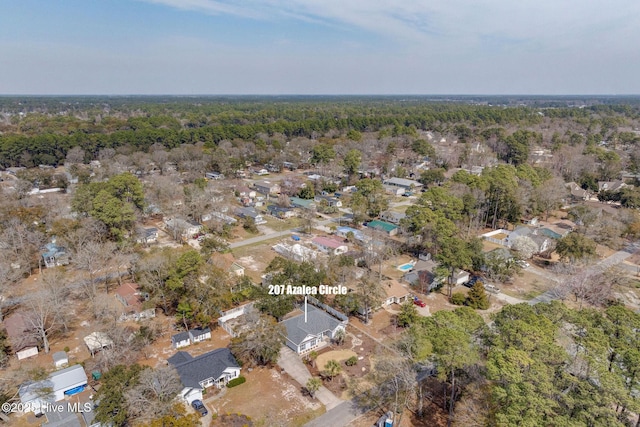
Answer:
(196, 332)
(59, 356)
(194, 370)
(382, 225)
(297, 201)
(179, 337)
(393, 288)
(328, 242)
(18, 332)
(318, 321)
(59, 380)
(97, 340)
(402, 182)
(130, 293)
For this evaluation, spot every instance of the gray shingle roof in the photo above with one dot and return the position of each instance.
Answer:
(197, 332)
(182, 336)
(193, 370)
(318, 321)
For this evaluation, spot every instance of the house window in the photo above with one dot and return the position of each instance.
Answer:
(207, 383)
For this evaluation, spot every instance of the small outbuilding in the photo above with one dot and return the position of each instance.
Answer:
(60, 359)
(96, 341)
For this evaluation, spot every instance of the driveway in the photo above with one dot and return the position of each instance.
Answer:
(340, 416)
(292, 364)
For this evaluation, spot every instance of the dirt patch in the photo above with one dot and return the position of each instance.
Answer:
(269, 398)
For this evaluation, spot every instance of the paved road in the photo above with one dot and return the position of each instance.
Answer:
(340, 416)
(282, 233)
(291, 363)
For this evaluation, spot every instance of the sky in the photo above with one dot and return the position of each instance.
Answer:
(339, 47)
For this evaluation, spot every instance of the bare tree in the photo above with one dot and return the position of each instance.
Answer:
(92, 257)
(41, 317)
(370, 293)
(152, 397)
(525, 246)
(57, 288)
(75, 155)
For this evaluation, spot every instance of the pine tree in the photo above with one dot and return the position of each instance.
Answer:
(477, 297)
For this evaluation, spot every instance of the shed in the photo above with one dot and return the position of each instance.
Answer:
(60, 359)
(181, 339)
(97, 341)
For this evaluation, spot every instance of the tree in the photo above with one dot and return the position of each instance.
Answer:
(370, 293)
(261, 344)
(322, 154)
(477, 297)
(313, 385)
(352, 162)
(525, 246)
(41, 317)
(184, 312)
(115, 383)
(331, 369)
(575, 247)
(151, 397)
(176, 417)
(454, 254)
(408, 314)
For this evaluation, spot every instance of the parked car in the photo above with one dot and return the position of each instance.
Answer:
(491, 288)
(472, 281)
(419, 302)
(199, 406)
(522, 264)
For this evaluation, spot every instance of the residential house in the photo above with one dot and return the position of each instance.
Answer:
(23, 342)
(297, 202)
(244, 191)
(393, 217)
(304, 332)
(330, 245)
(182, 227)
(132, 299)
(423, 276)
(406, 184)
(357, 234)
(181, 339)
(250, 213)
(520, 231)
(267, 187)
(54, 255)
(394, 190)
(281, 212)
(613, 186)
(460, 277)
(226, 262)
(199, 334)
(35, 396)
(219, 216)
(395, 293)
(331, 201)
(385, 227)
(148, 235)
(578, 193)
(216, 367)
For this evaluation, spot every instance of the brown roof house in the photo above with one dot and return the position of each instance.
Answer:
(23, 342)
(395, 293)
(132, 299)
(226, 262)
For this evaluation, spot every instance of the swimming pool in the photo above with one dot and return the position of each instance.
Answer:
(405, 267)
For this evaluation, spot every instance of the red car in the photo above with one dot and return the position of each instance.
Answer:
(419, 302)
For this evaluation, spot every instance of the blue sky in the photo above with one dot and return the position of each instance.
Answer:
(320, 47)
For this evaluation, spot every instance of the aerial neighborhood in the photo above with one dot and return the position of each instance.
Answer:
(271, 263)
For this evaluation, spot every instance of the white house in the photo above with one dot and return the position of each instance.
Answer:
(392, 217)
(37, 395)
(304, 333)
(406, 184)
(330, 246)
(216, 367)
(185, 228)
(180, 340)
(199, 334)
(395, 293)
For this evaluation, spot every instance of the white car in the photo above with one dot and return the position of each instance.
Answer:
(523, 264)
(491, 288)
